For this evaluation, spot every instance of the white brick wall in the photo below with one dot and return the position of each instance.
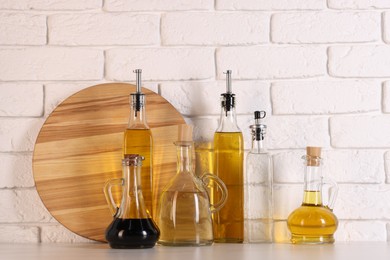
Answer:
(272, 62)
(387, 166)
(360, 61)
(18, 134)
(360, 131)
(103, 29)
(19, 234)
(386, 97)
(358, 4)
(29, 96)
(16, 170)
(343, 166)
(50, 4)
(51, 63)
(352, 97)
(160, 63)
(22, 29)
(325, 27)
(270, 5)
(59, 234)
(22, 205)
(160, 5)
(250, 96)
(222, 28)
(320, 68)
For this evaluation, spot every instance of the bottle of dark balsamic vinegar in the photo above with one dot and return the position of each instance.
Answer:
(132, 226)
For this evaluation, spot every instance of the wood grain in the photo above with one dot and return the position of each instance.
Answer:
(80, 147)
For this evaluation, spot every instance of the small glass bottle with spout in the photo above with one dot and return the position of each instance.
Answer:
(132, 226)
(229, 167)
(184, 210)
(258, 186)
(313, 222)
(138, 139)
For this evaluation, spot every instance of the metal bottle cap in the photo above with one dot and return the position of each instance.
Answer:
(258, 130)
(228, 99)
(138, 98)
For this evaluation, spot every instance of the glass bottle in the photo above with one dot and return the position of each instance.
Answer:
(313, 222)
(138, 139)
(258, 203)
(184, 212)
(228, 223)
(132, 226)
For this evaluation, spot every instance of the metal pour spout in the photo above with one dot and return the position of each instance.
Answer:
(228, 81)
(138, 95)
(138, 73)
(258, 129)
(228, 99)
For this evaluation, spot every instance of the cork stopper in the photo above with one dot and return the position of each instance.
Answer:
(184, 133)
(313, 155)
(132, 160)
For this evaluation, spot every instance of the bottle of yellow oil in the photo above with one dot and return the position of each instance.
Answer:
(313, 222)
(138, 139)
(228, 223)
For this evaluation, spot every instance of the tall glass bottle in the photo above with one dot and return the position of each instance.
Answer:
(132, 226)
(313, 222)
(258, 186)
(228, 223)
(138, 139)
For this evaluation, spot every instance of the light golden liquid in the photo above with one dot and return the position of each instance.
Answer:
(312, 223)
(228, 223)
(139, 141)
(184, 219)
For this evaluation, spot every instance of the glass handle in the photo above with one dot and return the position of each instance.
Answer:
(108, 194)
(330, 188)
(217, 206)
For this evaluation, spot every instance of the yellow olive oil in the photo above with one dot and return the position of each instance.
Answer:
(140, 141)
(312, 223)
(228, 223)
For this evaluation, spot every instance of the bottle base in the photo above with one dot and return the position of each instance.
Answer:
(185, 243)
(229, 240)
(119, 246)
(304, 239)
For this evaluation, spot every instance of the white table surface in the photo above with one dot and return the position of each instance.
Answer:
(98, 251)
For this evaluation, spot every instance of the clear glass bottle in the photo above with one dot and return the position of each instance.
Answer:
(228, 223)
(258, 186)
(184, 211)
(313, 222)
(138, 139)
(132, 226)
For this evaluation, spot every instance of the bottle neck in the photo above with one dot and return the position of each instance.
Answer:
(137, 119)
(184, 157)
(132, 204)
(228, 119)
(313, 185)
(258, 146)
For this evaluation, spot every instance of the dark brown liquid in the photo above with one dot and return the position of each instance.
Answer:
(132, 233)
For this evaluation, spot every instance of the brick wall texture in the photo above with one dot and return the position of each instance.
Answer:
(320, 68)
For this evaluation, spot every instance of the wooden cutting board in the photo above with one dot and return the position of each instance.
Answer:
(80, 147)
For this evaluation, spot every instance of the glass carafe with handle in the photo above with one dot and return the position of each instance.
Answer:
(132, 226)
(314, 222)
(184, 211)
